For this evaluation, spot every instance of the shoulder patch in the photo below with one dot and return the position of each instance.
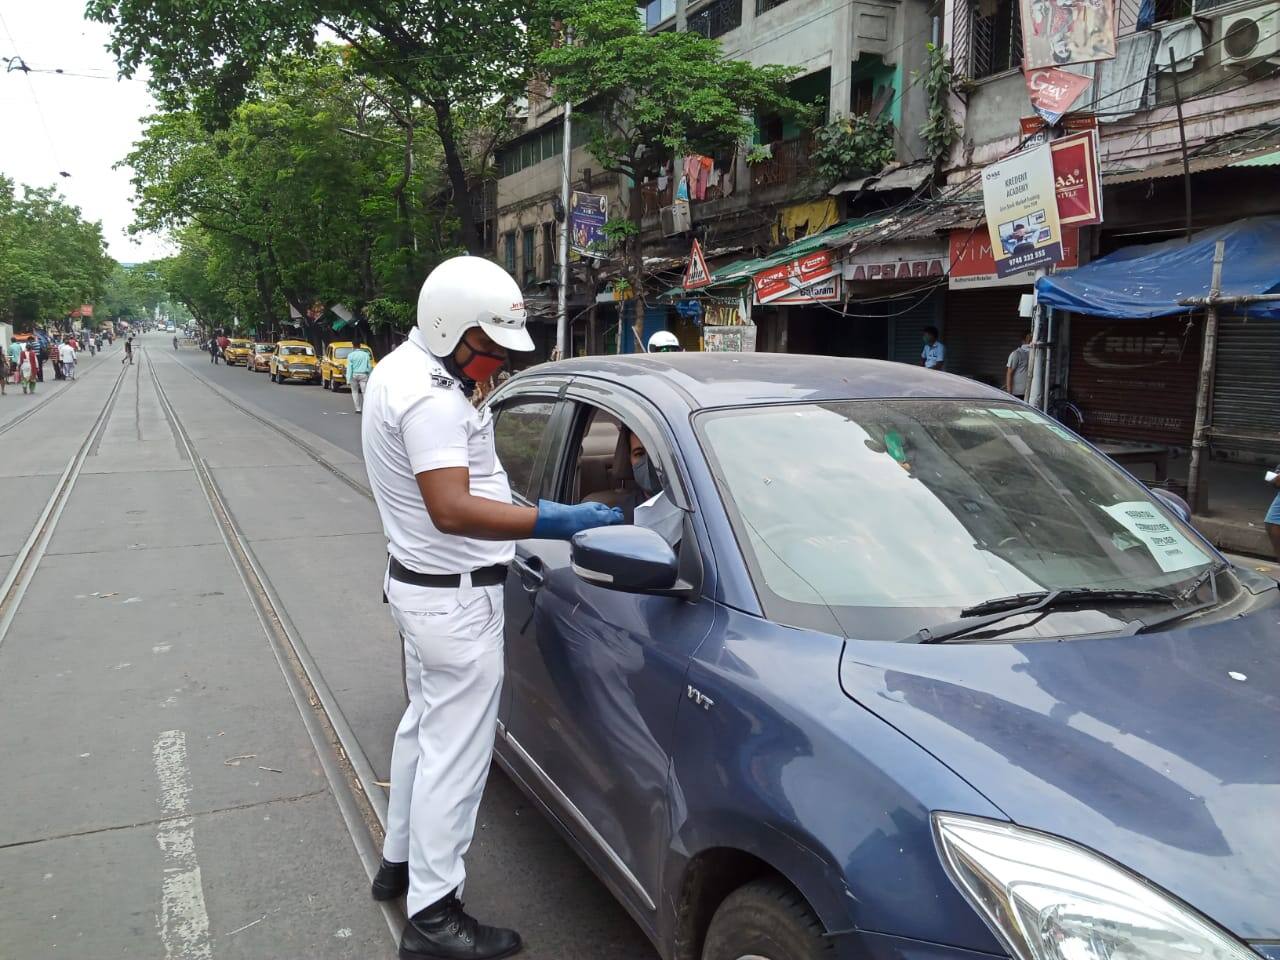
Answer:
(440, 380)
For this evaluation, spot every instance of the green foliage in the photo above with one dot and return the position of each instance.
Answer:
(51, 260)
(853, 146)
(306, 195)
(463, 61)
(759, 153)
(938, 78)
(131, 292)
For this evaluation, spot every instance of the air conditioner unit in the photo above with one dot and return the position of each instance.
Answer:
(1250, 34)
(675, 219)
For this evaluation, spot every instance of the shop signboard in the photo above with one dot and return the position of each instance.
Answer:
(898, 260)
(1053, 91)
(821, 291)
(1058, 32)
(587, 215)
(973, 266)
(1075, 174)
(786, 278)
(1021, 206)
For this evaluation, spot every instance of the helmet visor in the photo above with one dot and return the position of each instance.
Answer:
(506, 330)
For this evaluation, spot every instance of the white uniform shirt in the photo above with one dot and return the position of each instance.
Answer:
(416, 418)
(66, 353)
(933, 354)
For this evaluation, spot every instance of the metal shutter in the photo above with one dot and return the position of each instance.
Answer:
(1246, 386)
(905, 341)
(983, 328)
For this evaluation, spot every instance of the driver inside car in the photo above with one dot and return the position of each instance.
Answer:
(643, 501)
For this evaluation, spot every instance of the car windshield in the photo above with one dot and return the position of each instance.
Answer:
(341, 353)
(263, 348)
(893, 514)
(296, 351)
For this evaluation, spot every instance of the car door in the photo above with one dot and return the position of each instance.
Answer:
(595, 677)
(523, 429)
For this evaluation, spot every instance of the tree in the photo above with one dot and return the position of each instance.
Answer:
(647, 97)
(314, 191)
(51, 259)
(463, 60)
(131, 292)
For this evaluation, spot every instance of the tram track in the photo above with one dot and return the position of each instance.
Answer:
(27, 560)
(361, 801)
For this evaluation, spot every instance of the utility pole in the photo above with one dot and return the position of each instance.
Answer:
(1036, 389)
(1196, 495)
(562, 295)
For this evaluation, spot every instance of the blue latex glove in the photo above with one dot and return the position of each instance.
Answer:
(560, 521)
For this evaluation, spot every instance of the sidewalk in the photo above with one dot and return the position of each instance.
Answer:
(161, 795)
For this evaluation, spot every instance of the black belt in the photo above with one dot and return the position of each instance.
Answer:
(484, 577)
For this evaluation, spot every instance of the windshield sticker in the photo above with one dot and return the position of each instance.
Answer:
(1171, 550)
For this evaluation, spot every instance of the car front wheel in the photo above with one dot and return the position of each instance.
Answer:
(766, 920)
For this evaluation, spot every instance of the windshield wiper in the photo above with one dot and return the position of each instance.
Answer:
(1211, 576)
(1002, 608)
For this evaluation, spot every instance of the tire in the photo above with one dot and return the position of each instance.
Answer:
(769, 920)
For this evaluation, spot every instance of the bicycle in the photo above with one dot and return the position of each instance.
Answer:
(1062, 409)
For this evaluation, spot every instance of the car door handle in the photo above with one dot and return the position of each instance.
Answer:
(531, 573)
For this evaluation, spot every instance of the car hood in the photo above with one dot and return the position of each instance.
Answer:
(1161, 751)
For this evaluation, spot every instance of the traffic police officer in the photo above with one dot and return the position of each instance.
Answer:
(425, 445)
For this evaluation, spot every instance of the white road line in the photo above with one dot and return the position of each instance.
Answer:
(183, 920)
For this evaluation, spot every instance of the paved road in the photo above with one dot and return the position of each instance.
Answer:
(123, 714)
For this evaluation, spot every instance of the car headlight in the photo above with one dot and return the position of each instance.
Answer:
(1047, 899)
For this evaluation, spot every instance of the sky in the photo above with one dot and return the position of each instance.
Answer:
(83, 125)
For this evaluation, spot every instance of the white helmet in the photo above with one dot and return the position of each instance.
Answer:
(664, 341)
(466, 292)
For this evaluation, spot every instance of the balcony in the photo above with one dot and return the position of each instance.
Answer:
(716, 18)
(790, 163)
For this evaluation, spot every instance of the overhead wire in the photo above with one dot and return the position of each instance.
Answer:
(26, 71)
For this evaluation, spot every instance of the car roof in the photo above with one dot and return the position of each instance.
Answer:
(294, 343)
(737, 379)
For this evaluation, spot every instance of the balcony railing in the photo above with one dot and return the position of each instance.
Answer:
(790, 162)
(717, 18)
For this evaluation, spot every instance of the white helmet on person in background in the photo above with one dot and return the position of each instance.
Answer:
(664, 341)
(466, 292)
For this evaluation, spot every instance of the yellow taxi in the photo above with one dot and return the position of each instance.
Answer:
(294, 360)
(237, 351)
(260, 357)
(333, 368)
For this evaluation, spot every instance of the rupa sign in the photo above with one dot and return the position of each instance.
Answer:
(787, 278)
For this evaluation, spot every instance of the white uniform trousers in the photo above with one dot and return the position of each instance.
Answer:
(444, 744)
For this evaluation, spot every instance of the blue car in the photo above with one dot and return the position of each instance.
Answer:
(884, 664)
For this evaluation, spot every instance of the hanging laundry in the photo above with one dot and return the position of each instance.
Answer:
(705, 166)
(682, 191)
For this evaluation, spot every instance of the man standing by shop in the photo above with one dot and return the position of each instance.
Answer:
(359, 362)
(934, 354)
(1015, 369)
(446, 510)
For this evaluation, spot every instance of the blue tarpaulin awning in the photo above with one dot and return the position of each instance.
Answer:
(1148, 281)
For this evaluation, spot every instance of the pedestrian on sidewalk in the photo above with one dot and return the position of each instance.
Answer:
(223, 342)
(359, 362)
(6, 365)
(28, 365)
(128, 351)
(55, 357)
(15, 353)
(67, 357)
(934, 354)
(1015, 369)
(425, 446)
(1273, 515)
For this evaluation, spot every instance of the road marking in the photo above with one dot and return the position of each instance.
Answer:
(183, 921)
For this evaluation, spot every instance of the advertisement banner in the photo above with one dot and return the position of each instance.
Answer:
(1058, 32)
(1053, 91)
(727, 339)
(587, 215)
(821, 291)
(787, 277)
(973, 266)
(1021, 206)
(1075, 174)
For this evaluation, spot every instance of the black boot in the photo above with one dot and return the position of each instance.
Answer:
(443, 931)
(392, 881)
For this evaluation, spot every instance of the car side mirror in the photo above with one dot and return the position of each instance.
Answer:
(1174, 502)
(627, 558)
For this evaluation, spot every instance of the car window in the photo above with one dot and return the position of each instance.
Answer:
(518, 432)
(927, 506)
(606, 471)
(341, 353)
(297, 351)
